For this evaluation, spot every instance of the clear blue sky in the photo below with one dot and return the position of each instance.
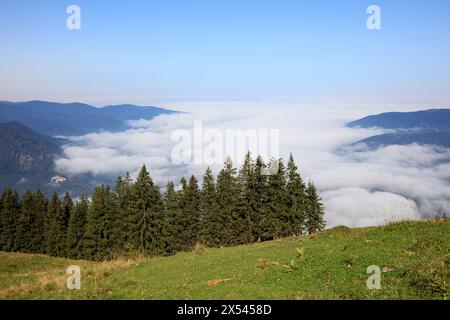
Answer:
(138, 51)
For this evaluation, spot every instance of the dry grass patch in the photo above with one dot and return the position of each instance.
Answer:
(46, 274)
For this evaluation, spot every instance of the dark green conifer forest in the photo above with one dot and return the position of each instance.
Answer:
(236, 207)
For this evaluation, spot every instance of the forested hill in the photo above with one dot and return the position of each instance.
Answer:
(33, 151)
(26, 155)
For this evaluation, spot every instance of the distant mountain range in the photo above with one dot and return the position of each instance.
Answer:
(432, 119)
(69, 119)
(29, 148)
(427, 127)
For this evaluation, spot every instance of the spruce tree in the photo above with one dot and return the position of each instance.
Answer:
(97, 240)
(244, 216)
(182, 219)
(227, 189)
(76, 229)
(276, 219)
(210, 224)
(62, 221)
(314, 210)
(172, 217)
(37, 231)
(296, 198)
(51, 225)
(184, 185)
(122, 194)
(1, 221)
(145, 217)
(8, 219)
(192, 210)
(261, 198)
(188, 218)
(24, 223)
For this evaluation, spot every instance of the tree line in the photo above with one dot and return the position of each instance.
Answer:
(236, 207)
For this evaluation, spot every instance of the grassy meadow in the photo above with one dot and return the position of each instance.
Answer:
(414, 258)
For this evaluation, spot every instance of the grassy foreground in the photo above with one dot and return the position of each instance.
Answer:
(414, 258)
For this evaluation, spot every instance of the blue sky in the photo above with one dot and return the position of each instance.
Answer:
(151, 51)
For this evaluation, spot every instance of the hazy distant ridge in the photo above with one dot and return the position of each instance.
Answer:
(53, 118)
(432, 119)
(427, 127)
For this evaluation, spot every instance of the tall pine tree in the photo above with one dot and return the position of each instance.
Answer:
(145, 217)
(189, 218)
(24, 223)
(244, 217)
(314, 210)
(122, 194)
(227, 189)
(296, 197)
(51, 225)
(261, 198)
(76, 229)
(276, 218)
(210, 224)
(97, 240)
(62, 220)
(172, 218)
(8, 219)
(37, 231)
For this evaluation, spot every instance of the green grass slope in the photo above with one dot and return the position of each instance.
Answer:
(414, 258)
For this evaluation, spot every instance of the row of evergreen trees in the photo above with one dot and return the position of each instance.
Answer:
(236, 208)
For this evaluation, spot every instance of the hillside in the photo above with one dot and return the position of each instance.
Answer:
(414, 257)
(27, 157)
(25, 151)
(27, 162)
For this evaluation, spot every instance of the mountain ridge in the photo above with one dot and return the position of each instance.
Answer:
(435, 119)
(423, 127)
(75, 118)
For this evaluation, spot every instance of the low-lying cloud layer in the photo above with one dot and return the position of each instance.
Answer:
(359, 187)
